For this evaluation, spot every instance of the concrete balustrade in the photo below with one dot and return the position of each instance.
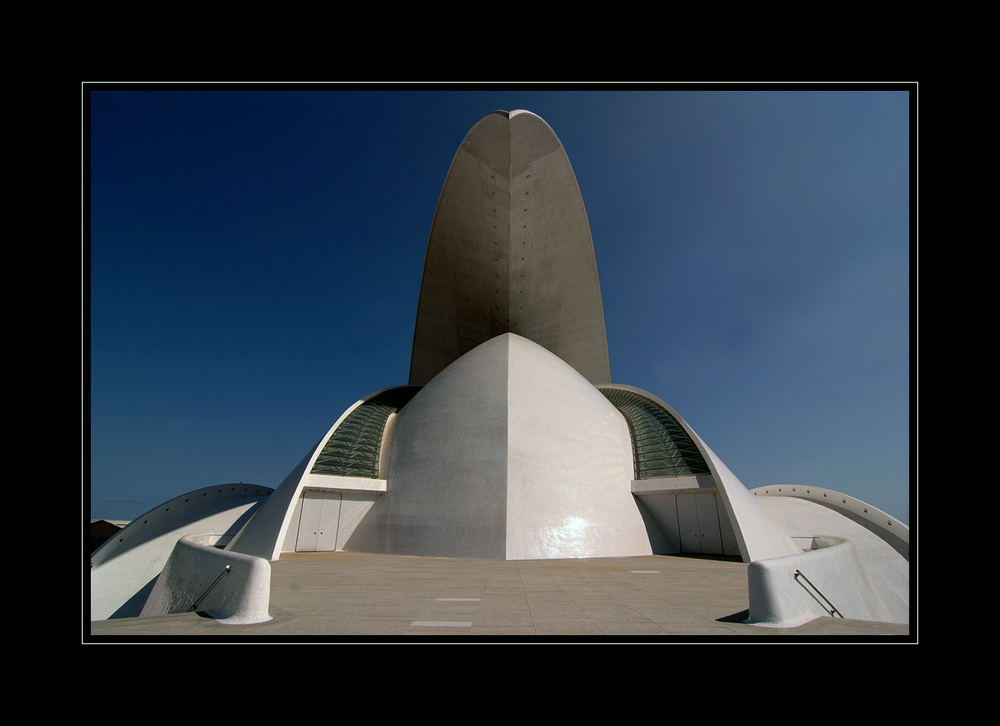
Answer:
(240, 595)
(779, 598)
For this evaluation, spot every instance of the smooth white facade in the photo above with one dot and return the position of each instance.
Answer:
(509, 453)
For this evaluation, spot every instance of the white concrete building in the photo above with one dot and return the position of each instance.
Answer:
(510, 440)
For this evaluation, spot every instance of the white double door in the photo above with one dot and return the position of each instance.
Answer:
(319, 521)
(698, 521)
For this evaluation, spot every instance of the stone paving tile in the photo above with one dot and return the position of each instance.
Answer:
(556, 611)
(503, 633)
(613, 613)
(631, 628)
(567, 627)
(550, 599)
(503, 588)
(353, 595)
(503, 617)
(516, 600)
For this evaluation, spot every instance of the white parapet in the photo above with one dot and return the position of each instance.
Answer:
(855, 555)
(231, 587)
(829, 581)
(124, 568)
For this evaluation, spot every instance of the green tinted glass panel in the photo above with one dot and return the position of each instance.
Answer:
(353, 449)
(662, 446)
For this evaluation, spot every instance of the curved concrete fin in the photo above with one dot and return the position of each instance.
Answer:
(510, 251)
(758, 536)
(265, 534)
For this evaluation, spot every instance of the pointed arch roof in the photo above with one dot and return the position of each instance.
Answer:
(510, 251)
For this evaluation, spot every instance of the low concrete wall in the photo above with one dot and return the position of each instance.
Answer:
(124, 569)
(780, 599)
(240, 595)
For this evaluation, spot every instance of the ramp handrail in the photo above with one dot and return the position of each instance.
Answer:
(830, 606)
(212, 584)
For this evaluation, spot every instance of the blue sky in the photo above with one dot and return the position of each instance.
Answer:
(255, 263)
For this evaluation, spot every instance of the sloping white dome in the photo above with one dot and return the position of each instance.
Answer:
(509, 453)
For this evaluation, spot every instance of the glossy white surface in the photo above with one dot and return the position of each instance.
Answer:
(569, 464)
(446, 466)
(509, 453)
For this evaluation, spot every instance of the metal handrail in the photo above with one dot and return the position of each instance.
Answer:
(212, 584)
(832, 609)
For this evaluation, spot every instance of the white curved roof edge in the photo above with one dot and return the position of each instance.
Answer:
(759, 537)
(234, 490)
(379, 392)
(237, 489)
(514, 112)
(843, 503)
(524, 111)
(266, 532)
(127, 563)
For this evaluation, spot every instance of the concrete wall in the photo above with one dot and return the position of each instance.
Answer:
(264, 535)
(510, 250)
(756, 535)
(231, 587)
(509, 453)
(446, 466)
(569, 464)
(862, 574)
(690, 514)
(124, 569)
(789, 591)
(275, 528)
(329, 510)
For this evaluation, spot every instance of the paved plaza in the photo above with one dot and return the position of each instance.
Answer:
(331, 596)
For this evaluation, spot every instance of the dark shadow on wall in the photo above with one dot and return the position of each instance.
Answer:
(133, 606)
(740, 617)
(658, 541)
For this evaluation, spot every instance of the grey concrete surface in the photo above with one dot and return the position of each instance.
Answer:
(510, 251)
(349, 596)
